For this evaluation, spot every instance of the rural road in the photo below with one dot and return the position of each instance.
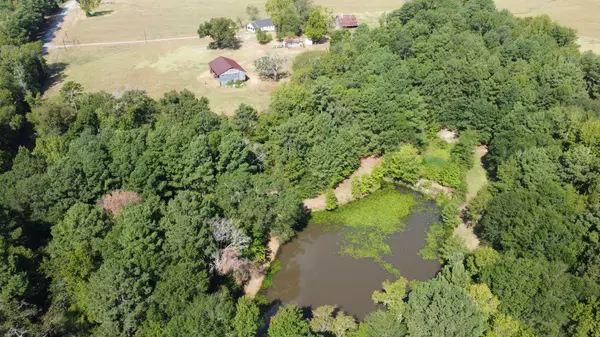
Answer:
(58, 19)
(121, 42)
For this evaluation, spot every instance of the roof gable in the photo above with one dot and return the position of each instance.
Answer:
(347, 20)
(222, 64)
(262, 23)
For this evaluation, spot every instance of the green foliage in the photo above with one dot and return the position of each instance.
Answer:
(392, 296)
(323, 321)
(369, 222)
(436, 235)
(222, 31)
(289, 322)
(537, 292)
(247, 318)
(381, 323)
(438, 308)
(404, 164)
(88, 6)
(285, 16)
(273, 269)
(330, 200)
(262, 37)
(587, 318)
(320, 21)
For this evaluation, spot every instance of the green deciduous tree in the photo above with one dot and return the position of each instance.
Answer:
(285, 16)
(438, 308)
(247, 318)
(330, 200)
(319, 22)
(587, 318)
(404, 164)
(88, 6)
(289, 322)
(222, 31)
(245, 119)
(263, 37)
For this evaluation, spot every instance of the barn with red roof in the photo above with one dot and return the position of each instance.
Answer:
(346, 21)
(227, 70)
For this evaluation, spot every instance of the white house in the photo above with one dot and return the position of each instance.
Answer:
(266, 25)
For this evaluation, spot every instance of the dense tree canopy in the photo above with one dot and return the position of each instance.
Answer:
(207, 191)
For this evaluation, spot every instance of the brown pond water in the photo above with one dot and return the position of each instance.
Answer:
(313, 273)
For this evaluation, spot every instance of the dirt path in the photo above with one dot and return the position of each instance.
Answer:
(55, 24)
(343, 192)
(253, 286)
(115, 43)
(476, 179)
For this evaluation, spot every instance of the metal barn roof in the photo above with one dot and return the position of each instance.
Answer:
(221, 64)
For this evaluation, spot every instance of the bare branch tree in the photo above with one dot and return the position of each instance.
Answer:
(271, 66)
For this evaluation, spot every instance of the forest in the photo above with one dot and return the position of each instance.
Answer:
(130, 216)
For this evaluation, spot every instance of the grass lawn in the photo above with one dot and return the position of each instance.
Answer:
(476, 176)
(164, 66)
(368, 222)
(159, 67)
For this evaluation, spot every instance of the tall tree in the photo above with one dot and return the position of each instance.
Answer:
(222, 31)
(289, 322)
(438, 308)
(318, 24)
(271, 66)
(89, 6)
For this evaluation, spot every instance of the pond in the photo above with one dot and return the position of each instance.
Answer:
(314, 273)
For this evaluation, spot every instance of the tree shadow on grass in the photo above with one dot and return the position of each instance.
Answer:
(101, 13)
(55, 75)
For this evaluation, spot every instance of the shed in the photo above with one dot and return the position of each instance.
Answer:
(266, 25)
(346, 21)
(291, 43)
(227, 70)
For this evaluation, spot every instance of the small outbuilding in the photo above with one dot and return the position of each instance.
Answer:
(346, 21)
(266, 25)
(291, 43)
(226, 70)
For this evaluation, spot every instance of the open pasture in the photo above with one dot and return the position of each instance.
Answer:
(161, 66)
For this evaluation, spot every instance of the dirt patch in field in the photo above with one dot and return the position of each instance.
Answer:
(448, 136)
(343, 192)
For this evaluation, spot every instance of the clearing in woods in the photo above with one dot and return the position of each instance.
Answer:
(159, 67)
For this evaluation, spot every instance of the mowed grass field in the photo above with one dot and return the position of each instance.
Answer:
(158, 67)
(583, 15)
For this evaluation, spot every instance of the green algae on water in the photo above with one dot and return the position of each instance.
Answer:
(367, 223)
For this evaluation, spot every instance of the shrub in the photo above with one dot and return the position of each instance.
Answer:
(330, 200)
(262, 37)
(404, 164)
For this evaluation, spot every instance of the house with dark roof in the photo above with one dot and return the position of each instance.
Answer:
(227, 70)
(266, 25)
(346, 21)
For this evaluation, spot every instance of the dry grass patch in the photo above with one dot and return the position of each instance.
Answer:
(173, 65)
(579, 14)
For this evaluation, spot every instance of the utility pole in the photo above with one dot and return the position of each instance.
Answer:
(145, 37)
